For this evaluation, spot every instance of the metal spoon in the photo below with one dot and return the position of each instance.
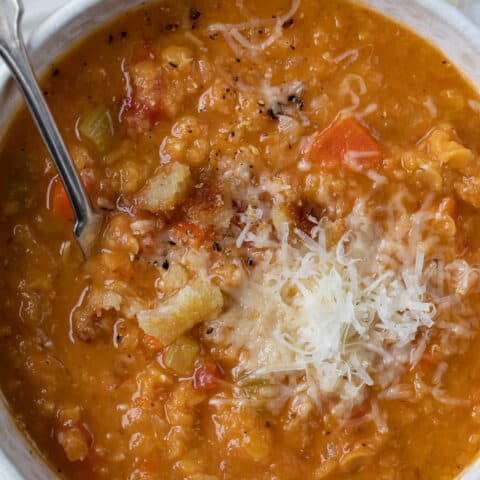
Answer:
(12, 49)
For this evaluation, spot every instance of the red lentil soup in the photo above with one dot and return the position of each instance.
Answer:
(287, 283)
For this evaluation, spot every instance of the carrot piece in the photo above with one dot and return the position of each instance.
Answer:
(187, 233)
(346, 142)
(57, 199)
(206, 377)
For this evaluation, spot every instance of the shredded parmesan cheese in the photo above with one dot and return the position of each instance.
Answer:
(236, 40)
(350, 55)
(335, 320)
(353, 86)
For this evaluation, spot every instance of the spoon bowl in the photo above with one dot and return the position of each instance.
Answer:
(88, 220)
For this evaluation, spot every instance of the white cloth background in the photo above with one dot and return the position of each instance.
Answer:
(38, 10)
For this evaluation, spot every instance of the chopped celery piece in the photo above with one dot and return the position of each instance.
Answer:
(97, 127)
(181, 355)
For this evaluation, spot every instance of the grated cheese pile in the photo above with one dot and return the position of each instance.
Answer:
(332, 321)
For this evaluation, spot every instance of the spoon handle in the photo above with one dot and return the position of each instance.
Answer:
(13, 51)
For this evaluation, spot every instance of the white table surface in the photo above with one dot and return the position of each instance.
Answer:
(37, 10)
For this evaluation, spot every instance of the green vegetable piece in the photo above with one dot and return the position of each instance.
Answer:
(97, 128)
(181, 355)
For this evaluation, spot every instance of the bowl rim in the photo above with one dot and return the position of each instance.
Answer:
(443, 9)
(62, 17)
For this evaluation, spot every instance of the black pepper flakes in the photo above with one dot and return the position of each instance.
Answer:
(274, 111)
(173, 65)
(209, 330)
(288, 23)
(56, 72)
(123, 34)
(272, 114)
(216, 246)
(165, 265)
(297, 101)
(249, 262)
(110, 38)
(194, 14)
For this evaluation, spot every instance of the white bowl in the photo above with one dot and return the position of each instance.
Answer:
(435, 20)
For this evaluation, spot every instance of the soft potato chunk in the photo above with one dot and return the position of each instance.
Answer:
(188, 142)
(469, 190)
(180, 406)
(118, 235)
(174, 279)
(166, 189)
(100, 300)
(177, 57)
(75, 443)
(194, 304)
(447, 150)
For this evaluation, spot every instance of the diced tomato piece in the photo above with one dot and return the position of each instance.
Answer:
(360, 410)
(188, 233)
(152, 343)
(142, 402)
(206, 377)
(348, 143)
(427, 362)
(144, 103)
(58, 201)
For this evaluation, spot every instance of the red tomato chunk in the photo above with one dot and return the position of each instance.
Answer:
(206, 377)
(347, 143)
